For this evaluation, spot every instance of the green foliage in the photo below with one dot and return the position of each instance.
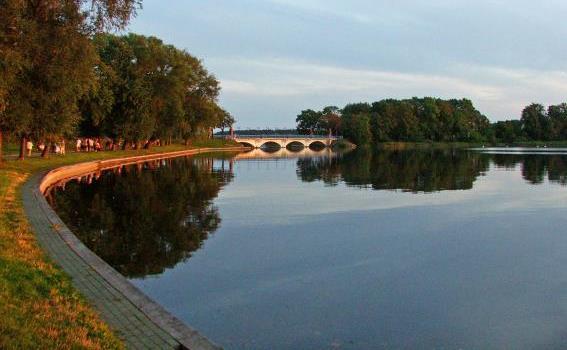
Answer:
(435, 120)
(47, 60)
(146, 89)
(415, 120)
(536, 122)
(308, 121)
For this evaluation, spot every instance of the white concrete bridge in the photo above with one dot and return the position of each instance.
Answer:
(283, 141)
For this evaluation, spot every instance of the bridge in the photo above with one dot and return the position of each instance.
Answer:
(283, 141)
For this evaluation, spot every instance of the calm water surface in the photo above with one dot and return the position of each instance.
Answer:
(365, 250)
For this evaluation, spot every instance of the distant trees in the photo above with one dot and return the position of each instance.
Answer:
(536, 122)
(434, 119)
(309, 122)
(401, 120)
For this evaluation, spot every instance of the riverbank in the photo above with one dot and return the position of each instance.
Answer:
(40, 308)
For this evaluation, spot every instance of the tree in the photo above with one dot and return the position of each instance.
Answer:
(227, 121)
(535, 122)
(558, 120)
(356, 123)
(50, 59)
(308, 121)
(331, 119)
(149, 90)
(508, 131)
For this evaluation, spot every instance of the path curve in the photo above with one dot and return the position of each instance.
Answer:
(139, 321)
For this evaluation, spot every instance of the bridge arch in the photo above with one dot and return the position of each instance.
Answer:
(296, 144)
(317, 144)
(271, 144)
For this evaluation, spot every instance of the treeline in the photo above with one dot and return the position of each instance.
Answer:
(433, 119)
(146, 89)
(536, 124)
(62, 75)
(416, 119)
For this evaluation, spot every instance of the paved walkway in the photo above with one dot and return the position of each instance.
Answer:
(138, 321)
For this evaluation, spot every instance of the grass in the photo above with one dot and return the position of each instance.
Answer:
(10, 148)
(39, 307)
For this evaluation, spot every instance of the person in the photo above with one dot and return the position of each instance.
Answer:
(91, 144)
(98, 147)
(29, 147)
(63, 146)
(41, 147)
(78, 145)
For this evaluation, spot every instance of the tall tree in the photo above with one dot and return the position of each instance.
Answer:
(558, 119)
(308, 121)
(51, 40)
(535, 121)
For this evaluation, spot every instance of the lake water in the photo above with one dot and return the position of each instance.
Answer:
(447, 249)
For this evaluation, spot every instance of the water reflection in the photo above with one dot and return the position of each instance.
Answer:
(407, 170)
(284, 153)
(536, 167)
(483, 267)
(427, 170)
(144, 218)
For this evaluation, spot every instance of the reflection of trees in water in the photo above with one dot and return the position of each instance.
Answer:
(426, 170)
(407, 170)
(535, 167)
(143, 221)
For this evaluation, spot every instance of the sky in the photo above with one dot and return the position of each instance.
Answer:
(275, 58)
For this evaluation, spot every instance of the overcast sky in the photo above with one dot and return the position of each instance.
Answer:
(277, 57)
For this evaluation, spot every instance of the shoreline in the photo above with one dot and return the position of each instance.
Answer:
(135, 318)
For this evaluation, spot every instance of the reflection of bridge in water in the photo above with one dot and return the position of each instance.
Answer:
(258, 153)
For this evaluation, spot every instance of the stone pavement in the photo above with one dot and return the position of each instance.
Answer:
(137, 320)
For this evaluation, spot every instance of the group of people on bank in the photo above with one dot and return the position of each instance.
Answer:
(87, 144)
(56, 147)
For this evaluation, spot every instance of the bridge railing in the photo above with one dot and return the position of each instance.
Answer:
(277, 136)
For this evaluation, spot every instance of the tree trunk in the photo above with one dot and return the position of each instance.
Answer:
(0, 146)
(45, 152)
(22, 148)
(124, 145)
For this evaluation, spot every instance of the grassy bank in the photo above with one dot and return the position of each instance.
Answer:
(39, 307)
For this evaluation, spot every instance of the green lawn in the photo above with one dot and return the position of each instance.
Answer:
(39, 307)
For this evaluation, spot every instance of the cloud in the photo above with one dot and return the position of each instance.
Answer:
(495, 90)
(276, 57)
